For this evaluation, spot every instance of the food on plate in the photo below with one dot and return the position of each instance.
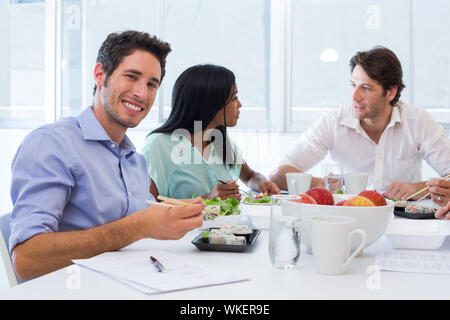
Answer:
(321, 195)
(224, 235)
(226, 207)
(359, 201)
(418, 209)
(212, 213)
(242, 230)
(341, 203)
(259, 198)
(400, 204)
(374, 196)
(306, 198)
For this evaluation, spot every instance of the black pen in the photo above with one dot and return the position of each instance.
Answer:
(158, 266)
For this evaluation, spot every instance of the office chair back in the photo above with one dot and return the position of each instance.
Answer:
(5, 258)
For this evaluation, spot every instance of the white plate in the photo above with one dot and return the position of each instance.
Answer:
(417, 234)
(255, 204)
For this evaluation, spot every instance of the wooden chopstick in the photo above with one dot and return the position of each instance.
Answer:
(182, 203)
(447, 177)
(174, 201)
(162, 204)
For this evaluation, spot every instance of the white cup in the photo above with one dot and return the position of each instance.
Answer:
(355, 182)
(331, 239)
(298, 182)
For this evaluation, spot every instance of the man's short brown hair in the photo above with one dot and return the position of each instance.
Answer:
(119, 45)
(382, 65)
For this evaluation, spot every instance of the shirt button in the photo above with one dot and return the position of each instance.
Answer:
(113, 145)
(129, 193)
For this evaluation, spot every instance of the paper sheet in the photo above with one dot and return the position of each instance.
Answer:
(135, 269)
(414, 261)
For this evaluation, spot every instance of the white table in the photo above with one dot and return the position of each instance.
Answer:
(266, 282)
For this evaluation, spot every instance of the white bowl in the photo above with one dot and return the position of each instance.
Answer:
(374, 220)
(257, 213)
(417, 234)
(231, 220)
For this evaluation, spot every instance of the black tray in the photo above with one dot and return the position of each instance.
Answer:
(202, 245)
(400, 212)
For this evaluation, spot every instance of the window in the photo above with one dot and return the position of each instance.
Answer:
(232, 33)
(432, 58)
(290, 57)
(320, 72)
(22, 64)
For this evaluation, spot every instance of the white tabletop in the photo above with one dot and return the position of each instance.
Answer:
(265, 283)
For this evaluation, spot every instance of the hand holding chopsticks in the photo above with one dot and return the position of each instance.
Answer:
(169, 202)
(428, 185)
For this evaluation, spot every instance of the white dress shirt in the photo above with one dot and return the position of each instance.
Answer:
(410, 136)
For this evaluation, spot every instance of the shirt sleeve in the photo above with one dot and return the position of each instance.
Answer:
(435, 145)
(313, 145)
(41, 185)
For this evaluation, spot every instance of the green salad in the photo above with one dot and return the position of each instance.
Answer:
(228, 207)
(263, 199)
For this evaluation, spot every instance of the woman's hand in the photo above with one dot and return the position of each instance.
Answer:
(225, 191)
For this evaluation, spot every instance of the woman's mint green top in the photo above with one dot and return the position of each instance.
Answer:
(179, 169)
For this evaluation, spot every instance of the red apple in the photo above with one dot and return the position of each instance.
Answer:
(341, 203)
(359, 201)
(374, 196)
(321, 195)
(306, 198)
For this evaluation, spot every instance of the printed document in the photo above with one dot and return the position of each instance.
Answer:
(414, 261)
(135, 269)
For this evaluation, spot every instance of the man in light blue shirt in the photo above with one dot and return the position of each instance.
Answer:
(78, 186)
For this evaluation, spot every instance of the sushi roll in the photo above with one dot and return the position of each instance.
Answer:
(418, 209)
(218, 236)
(400, 204)
(208, 216)
(242, 230)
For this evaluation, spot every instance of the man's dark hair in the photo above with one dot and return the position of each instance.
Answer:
(382, 65)
(119, 45)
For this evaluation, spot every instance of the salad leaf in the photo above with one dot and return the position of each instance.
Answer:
(263, 199)
(227, 207)
(206, 235)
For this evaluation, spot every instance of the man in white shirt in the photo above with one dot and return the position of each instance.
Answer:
(377, 134)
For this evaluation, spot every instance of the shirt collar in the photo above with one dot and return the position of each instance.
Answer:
(349, 121)
(92, 129)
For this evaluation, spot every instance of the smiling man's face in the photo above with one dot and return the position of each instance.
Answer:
(129, 92)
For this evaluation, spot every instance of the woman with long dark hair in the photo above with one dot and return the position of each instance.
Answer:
(191, 152)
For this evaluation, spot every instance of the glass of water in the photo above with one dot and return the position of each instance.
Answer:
(284, 238)
(334, 178)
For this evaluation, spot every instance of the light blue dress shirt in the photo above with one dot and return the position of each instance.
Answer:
(179, 170)
(69, 175)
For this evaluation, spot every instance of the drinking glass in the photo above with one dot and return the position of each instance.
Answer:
(284, 238)
(334, 178)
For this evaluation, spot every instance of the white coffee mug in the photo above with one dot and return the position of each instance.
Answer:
(355, 182)
(298, 182)
(331, 239)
